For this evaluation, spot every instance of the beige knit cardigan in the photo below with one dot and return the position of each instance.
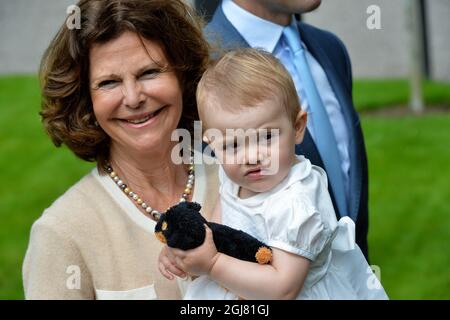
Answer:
(93, 243)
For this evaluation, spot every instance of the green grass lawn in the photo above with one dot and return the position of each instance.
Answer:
(409, 228)
(374, 94)
(409, 188)
(33, 172)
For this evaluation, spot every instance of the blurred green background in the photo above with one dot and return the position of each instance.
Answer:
(408, 173)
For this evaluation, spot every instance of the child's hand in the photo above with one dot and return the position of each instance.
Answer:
(167, 265)
(200, 260)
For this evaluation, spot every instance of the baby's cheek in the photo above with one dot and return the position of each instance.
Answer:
(232, 171)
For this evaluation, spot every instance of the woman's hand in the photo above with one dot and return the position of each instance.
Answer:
(200, 260)
(167, 265)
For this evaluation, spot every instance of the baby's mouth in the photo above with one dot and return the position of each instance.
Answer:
(253, 172)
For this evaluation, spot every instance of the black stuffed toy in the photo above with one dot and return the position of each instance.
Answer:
(183, 227)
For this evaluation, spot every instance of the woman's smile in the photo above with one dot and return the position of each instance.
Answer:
(141, 120)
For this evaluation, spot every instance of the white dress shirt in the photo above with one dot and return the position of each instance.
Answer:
(260, 33)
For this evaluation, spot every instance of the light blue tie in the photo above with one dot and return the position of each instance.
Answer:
(323, 132)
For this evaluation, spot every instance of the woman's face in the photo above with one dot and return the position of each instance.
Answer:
(136, 101)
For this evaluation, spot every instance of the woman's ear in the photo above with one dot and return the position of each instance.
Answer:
(300, 126)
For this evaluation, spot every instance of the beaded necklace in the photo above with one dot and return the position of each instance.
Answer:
(155, 214)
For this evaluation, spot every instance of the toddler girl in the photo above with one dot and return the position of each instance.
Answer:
(250, 110)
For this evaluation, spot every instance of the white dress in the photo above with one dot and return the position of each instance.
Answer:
(297, 216)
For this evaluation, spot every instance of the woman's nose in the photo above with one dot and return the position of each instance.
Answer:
(132, 94)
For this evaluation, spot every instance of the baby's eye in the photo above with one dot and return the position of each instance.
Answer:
(265, 137)
(232, 147)
(268, 136)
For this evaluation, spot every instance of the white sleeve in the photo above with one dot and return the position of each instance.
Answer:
(297, 227)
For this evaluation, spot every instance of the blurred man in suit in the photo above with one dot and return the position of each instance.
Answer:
(320, 67)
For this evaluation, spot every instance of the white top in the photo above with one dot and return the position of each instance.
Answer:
(297, 216)
(260, 33)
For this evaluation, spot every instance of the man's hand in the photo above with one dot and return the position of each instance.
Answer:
(167, 265)
(197, 261)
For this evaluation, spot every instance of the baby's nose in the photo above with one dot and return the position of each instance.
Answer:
(253, 154)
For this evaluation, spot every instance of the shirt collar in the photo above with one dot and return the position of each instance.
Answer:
(299, 171)
(258, 33)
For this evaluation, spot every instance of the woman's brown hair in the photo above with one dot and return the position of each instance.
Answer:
(67, 112)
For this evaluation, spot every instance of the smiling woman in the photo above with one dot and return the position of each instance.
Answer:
(138, 102)
(113, 92)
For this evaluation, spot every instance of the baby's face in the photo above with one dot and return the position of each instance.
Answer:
(256, 145)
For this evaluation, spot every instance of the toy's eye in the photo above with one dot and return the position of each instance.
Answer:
(164, 226)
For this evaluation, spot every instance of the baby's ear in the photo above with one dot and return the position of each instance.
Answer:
(300, 126)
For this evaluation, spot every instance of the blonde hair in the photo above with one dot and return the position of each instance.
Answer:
(244, 78)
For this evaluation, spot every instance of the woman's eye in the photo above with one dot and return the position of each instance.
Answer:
(149, 74)
(106, 84)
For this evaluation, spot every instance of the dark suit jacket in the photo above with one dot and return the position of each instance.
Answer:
(331, 54)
